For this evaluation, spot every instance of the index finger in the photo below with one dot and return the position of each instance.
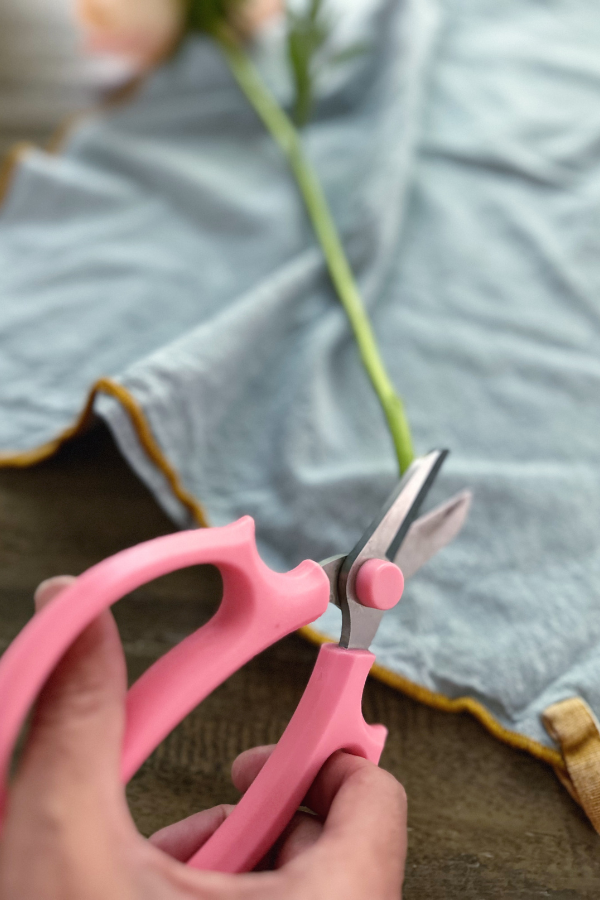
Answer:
(333, 775)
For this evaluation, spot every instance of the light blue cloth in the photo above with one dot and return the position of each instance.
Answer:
(167, 248)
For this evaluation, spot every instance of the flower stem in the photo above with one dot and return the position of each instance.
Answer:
(285, 134)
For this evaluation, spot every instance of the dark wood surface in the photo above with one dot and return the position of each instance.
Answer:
(485, 821)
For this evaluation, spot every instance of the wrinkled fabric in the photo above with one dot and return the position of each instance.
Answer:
(166, 247)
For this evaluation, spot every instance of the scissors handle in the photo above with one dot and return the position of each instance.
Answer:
(328, 718)
(259, 607)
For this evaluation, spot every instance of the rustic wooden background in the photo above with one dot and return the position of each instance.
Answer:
(485, 821)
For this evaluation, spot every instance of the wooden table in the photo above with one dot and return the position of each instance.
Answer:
(485, 821)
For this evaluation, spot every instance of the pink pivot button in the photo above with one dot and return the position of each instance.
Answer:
(379, 584)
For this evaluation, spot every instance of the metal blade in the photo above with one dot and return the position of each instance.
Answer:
(382, 539)
(385, 534)
(431, 532)
(331, 566)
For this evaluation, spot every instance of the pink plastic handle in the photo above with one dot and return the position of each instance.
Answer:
(328, 718)
(259, 607)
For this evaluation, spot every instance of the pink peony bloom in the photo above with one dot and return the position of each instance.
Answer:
(145, 31)
(253, 14)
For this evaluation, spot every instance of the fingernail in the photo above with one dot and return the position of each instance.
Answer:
(50, 588)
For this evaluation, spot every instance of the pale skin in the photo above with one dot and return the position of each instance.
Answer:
(69, 835)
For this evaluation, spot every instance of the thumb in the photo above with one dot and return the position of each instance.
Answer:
(72, 755)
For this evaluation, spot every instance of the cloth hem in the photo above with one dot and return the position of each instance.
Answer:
(142, 429)
(454, 705)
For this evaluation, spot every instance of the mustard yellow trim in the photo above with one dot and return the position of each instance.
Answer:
(57, 140)
(142, 429)
(457, 705)
(9, 164)
(119, 95)
(16, 153)
(24, 459)
(573, 725)
(150, 445)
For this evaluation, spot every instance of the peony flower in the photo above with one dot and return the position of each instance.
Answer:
(144, 31)
(251, 15)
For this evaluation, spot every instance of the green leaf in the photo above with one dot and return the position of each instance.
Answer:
(349, 53)
(307, 33)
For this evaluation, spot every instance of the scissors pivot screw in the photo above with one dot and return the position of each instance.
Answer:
(379, 584)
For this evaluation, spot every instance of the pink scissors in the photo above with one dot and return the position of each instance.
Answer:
(259, 607)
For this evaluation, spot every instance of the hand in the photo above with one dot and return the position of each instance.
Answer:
(69, 835)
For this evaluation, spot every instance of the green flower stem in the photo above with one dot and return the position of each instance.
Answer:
(286, 135)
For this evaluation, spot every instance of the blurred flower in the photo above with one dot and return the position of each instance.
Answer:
(251, 15)
(144, 31)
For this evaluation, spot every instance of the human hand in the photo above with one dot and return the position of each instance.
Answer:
(68, 833)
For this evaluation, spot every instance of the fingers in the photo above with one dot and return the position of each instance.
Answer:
(304, 829)
(50, 588)
(182, 839)
(359, 831)
(74, 745)
(302, 833)
(363, 792)
(335, 773)
(364, 835)
(67, 818)
(78, 719)
(248, 764)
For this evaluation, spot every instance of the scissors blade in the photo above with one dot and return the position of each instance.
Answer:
(429, 533)
(331, 566)
(382, 539)
(386, 533)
